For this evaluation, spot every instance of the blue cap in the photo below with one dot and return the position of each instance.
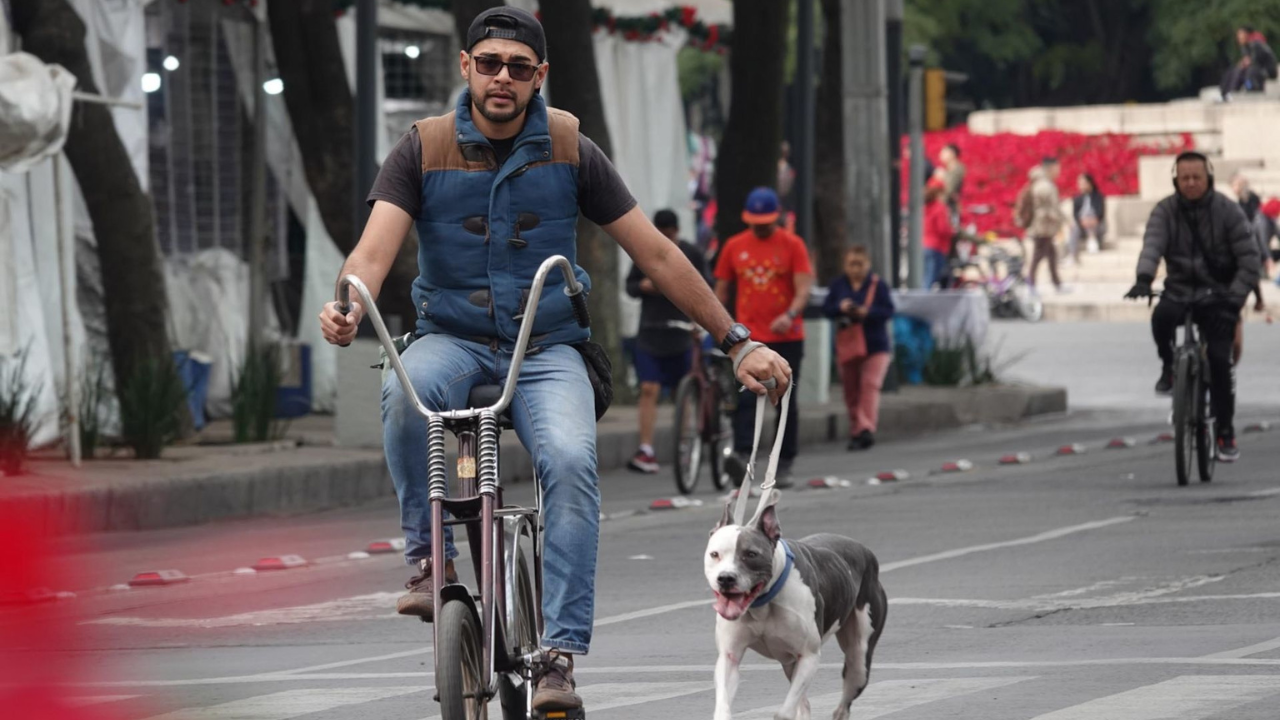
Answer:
(761, 207)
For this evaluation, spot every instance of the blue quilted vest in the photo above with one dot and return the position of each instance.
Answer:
(485, 229)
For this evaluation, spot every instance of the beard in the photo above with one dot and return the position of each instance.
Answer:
(501, 116)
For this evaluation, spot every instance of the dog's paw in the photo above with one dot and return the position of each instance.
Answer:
(841, 713)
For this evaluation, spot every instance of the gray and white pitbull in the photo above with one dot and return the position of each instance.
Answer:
(783, 599)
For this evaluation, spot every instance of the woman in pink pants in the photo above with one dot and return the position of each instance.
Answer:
(862, 305)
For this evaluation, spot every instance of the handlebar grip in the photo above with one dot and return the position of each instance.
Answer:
(579, 301)
(344, 309)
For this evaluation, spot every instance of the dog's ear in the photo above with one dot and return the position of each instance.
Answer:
(727, 518)
(768, 517)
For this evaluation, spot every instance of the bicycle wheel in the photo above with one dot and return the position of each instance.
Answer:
(1029, 306)
(458, 679)
(688, 426)
(522, 637)
(1184, 422)
(1206, 432)
(719, 446)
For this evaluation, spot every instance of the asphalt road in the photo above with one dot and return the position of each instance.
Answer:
(1087, 586)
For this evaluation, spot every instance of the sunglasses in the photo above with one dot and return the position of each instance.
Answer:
(489, 65)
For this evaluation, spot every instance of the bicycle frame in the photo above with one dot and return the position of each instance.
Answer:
(481, 478)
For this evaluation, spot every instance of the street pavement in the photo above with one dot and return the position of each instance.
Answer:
(1071, 587)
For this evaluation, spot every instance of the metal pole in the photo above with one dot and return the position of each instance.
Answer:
(893, 70)
(366, 96)
(67, 279)
(808, 95)
(258, 189)
(866, 146)
(915, 112)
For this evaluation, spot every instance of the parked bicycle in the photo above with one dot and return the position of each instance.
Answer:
(705, 401)
(486, 644)
(1003, 282)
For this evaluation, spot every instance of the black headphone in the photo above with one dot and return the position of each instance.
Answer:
(1192, 155)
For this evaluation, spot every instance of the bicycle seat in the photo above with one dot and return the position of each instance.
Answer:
(486, 395)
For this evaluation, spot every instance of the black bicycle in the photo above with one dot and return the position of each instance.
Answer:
(486, 642)
(705, 401)
(1193, 421)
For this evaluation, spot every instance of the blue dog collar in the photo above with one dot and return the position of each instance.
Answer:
(768, 597)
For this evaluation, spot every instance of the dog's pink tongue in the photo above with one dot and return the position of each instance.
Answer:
(731, 608)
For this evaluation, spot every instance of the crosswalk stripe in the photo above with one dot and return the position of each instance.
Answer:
(891, 696)
(1190, 697)
(607, 696)
(289, 704)
(1244, 652)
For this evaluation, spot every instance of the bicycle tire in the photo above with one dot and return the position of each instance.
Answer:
(458, 660)
(688, 434)
(522, 637)
(1184, 424)
(719, 445)
(1206, 450)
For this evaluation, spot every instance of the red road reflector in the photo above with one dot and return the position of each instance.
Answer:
(1258, 427)
(674, 503)
(1164, 437)
(1072, 449)
(1121, 443)
(893, 475)
(829, 482)
(957, 466)
(158, 577)
(1016, 459)
(379, 547)
(281, 562)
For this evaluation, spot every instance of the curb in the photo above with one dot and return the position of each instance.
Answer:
(314, 478)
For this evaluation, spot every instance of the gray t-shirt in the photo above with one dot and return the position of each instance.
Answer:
(602, 196)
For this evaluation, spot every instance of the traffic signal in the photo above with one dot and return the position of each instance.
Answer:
(935, 99)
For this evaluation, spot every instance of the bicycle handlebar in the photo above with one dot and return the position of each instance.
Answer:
(574, 289)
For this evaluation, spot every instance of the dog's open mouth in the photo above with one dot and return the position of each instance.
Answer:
(731, 605)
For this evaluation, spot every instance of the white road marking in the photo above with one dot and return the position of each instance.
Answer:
(1261, 647)
(1265, 493)
(361, 607)
(289, 704)
(1031, 540)
(607, 696)
(1190, 697)
(1091, 604)
(709, 669)
(661, 610)
(1103, 585)
(890, 696)
(357, 661)
(78, 702)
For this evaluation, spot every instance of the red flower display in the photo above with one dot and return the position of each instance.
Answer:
(997, 165)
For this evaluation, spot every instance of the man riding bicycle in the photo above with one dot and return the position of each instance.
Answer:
(1211, 262)
(495, 188)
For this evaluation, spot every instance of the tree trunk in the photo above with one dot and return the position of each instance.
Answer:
(576, 86)
(128, 255)
(304, 35)
(830, 227)
(748, 155)
(464, 11)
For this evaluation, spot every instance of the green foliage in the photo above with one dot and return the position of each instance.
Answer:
(253, 396)
(1071, 52)
(93, 392)
(958, 364)
(696, 68)
(17, 413)
(151, 404)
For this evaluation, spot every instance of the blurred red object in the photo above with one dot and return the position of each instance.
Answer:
(996, 167)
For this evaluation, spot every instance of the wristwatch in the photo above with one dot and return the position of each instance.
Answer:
(737, 333)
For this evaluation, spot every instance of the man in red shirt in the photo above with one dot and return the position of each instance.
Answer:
(771, 268)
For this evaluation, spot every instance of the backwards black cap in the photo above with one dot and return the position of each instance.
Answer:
(508, 23)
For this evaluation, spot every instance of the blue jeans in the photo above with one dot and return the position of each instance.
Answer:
(547, 412)
(935, 267)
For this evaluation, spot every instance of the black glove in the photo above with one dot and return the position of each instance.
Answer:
(1140, 289)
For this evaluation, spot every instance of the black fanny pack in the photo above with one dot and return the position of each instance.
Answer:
(600, 371)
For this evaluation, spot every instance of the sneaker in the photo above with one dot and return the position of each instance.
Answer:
(862, 441)
(418, 601)
(643, 462)
(783, 480)
(1164, 385)
(555, 688)
(1228, 452)
(736, 467)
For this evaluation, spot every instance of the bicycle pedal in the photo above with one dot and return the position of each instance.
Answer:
(578, 714)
